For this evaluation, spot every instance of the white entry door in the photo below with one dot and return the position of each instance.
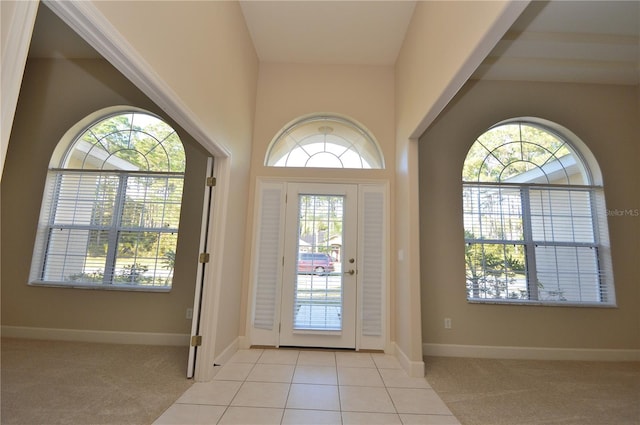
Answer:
(320, 266)
(319, 289)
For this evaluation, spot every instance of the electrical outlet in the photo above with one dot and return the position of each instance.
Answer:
(447, 323)
(189, 314)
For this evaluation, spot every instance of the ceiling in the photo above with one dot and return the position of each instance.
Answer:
(335, 32)
(577, 41)
(570, 41)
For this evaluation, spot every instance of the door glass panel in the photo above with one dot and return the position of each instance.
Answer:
(318, 291)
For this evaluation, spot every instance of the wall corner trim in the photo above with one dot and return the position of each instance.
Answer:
(85, 335)
(414, 369)
(530, 353)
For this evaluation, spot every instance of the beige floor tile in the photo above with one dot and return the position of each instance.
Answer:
(218, 393)
(271, 373)
(386, 361)
(233, 372)
(326, 375)
(261, 394)
(364, 418)
(398, 378)
(310, 417)
(354, 360)
(180, 414)
(316, 397)
(279, 357)
(418, 400)
(310, 387)
(246, 356)
(360, 376)
(252, 416)
(408, 419)
(365, 399)
(317, 358)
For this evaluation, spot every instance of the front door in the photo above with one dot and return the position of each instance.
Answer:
(318, 305)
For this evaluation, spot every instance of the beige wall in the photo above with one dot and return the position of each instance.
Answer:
(203, 53)
(606, 119)
(444, 44)
(289, 91)
(202, 50)
(55, 95)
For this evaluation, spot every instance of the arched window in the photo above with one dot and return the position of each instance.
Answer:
(534, 218)
(111, 206)
(324, 141)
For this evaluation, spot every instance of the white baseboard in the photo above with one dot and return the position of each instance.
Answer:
(529, 353)
(109, 337)
(413, 368)
(228, 352)
(243, 343)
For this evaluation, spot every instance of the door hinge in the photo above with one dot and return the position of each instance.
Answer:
(196, 340)
(204, 257)
(211, 181)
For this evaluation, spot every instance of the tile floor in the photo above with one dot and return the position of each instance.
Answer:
(309, 387)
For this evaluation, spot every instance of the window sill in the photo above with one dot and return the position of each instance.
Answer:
(541, 303)
(116, 287)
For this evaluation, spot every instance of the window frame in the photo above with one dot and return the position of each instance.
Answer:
(353, 138)
(530, 243)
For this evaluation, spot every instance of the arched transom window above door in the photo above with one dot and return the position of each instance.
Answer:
(324, 141)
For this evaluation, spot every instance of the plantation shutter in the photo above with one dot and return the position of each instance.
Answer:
(372, 269)
(268, 259)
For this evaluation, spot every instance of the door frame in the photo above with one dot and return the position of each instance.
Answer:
(269, 335)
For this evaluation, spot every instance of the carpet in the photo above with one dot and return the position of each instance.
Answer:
(523, 392)
(55, 382)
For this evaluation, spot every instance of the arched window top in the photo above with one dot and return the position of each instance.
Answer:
(324, 141)
(128, 141)
(519, 151)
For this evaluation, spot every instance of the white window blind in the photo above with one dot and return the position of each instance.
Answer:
(108, 227)
(533, 243)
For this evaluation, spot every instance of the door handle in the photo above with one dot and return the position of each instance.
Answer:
(350, 272)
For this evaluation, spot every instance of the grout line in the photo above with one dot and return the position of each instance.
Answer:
(290, 383)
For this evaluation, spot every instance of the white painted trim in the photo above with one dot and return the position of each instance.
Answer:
(413, 369)
(109, 337)
(228, 352)
(14, 58)
(530, 353)
(211, 299)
